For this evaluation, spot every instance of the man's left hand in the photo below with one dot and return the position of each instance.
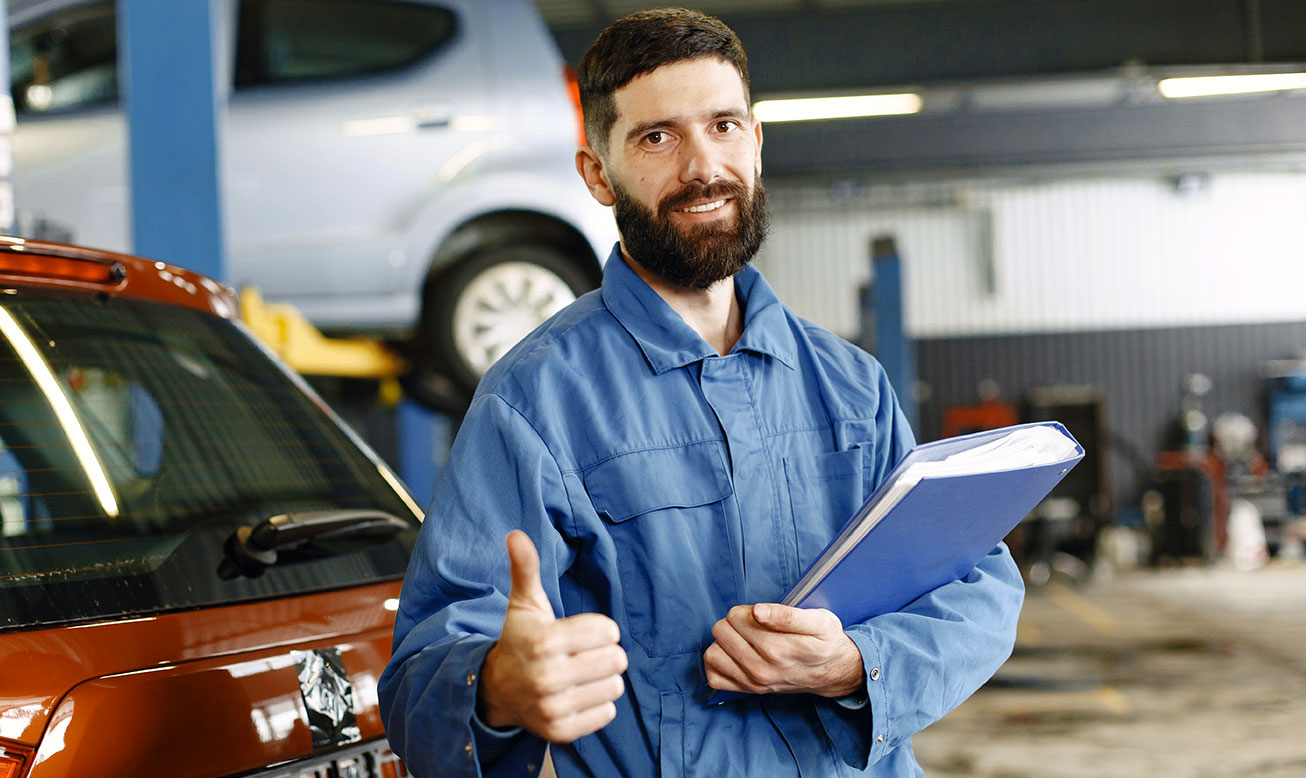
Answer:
(775, 649)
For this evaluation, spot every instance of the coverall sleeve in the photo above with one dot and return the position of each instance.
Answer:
(500, 476)
(926, 659)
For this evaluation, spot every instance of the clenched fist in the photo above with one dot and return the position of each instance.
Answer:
(558, 678)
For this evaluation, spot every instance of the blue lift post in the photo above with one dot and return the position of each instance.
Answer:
(175, 97)
(424, 441)
(889, 342)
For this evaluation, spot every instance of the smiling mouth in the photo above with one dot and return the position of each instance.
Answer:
(705, 207)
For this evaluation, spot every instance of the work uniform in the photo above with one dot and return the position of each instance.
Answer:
(663, 484)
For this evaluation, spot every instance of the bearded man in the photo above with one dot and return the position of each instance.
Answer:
(665, 457)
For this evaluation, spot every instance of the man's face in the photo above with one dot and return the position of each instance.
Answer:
(682, 170)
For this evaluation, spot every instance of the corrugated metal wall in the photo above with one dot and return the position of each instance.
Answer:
(1034, 255)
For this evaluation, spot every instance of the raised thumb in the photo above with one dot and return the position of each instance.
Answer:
(524, 564)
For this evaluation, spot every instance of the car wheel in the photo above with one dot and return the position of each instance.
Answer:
(489, 302)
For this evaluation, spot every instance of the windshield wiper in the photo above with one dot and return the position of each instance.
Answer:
(295, 537)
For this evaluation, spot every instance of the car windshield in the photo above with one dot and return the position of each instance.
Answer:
(135, 437)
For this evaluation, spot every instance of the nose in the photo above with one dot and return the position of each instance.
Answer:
(701, 161)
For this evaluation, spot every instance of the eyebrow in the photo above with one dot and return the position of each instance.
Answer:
(639, 130)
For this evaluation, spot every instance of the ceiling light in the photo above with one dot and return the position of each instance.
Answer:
(1207, 86)
(852, 107)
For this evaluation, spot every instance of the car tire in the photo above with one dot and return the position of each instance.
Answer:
(484, 305)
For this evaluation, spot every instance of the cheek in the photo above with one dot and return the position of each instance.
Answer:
(746, 166)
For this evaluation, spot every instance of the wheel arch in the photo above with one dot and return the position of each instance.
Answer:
(506, 227)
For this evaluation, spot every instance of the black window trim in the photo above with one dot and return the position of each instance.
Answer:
(114, 103)
(451, 39)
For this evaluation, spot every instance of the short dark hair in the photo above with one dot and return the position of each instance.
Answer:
(640, 43)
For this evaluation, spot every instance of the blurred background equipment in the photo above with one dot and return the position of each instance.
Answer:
(1065, 528)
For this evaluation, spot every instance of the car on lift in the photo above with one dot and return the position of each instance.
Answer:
(398, 168)
(199, 564)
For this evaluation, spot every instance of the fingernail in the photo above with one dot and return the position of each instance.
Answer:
(761, 612)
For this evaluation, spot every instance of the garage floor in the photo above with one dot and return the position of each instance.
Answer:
(1187, 673)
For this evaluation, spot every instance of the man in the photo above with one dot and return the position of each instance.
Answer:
(678, 446)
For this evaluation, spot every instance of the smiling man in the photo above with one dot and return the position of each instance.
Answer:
(664, 458)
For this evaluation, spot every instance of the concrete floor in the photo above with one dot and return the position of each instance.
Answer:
(1186, 673)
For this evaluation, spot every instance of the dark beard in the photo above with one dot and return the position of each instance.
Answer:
(705, 253)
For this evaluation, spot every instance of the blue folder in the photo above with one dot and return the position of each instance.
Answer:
(937, 533)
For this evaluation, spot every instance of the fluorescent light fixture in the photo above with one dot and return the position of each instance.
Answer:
(804, 109)
(1046, 94)
(63, 411)
(1208, 86)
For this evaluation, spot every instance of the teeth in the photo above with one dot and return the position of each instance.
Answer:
(705, 207)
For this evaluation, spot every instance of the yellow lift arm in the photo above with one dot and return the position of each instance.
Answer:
(303, 347)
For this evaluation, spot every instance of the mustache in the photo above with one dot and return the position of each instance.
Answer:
(695, 192)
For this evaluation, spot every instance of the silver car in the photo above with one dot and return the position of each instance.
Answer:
(398, 167)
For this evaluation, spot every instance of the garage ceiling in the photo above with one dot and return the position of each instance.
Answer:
(580, 13)
(965, 53)
(804, 44)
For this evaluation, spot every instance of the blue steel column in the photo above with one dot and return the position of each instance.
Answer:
(895, 351)
(175, 99)
(424, 441)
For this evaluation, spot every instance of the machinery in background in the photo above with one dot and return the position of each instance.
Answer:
(1061, 533)
(1286, 444)
(1286, 411)
(1063, 530)
(1214, 496)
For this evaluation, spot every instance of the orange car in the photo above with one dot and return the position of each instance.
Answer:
(199, 563)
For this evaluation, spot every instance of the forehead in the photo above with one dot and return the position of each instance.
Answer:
(681, 90)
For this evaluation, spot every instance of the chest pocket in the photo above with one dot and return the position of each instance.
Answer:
(824, 492)
(665, 510)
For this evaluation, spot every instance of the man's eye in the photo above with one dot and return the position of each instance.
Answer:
(725, 125)
(654, 138)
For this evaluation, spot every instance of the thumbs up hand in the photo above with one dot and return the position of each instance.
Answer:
(558, 678)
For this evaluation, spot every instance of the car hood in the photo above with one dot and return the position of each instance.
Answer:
(225, 689)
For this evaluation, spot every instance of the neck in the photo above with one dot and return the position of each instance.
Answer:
(713, 312)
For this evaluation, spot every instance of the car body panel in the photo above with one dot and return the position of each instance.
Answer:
(132, 664)
(141, 712)
(312, 200)
(142, 278)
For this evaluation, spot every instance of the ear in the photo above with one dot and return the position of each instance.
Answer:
(590, 166)
(757, 133)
